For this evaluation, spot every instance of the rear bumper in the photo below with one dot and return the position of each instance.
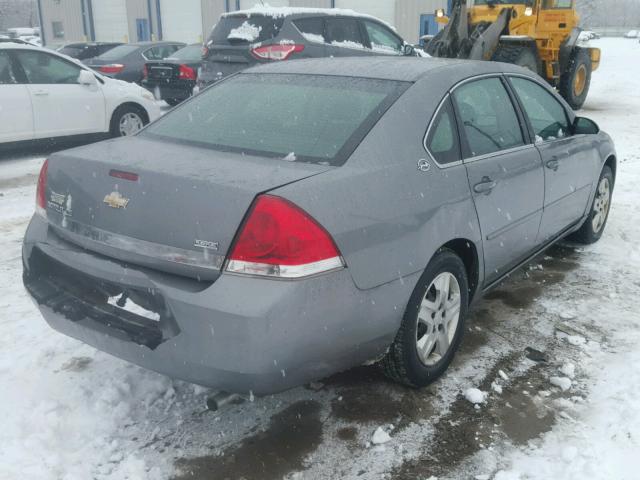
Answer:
(238, 334)
(176, 91)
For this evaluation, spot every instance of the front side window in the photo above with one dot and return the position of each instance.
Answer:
(6, 69)
(488, 117)
(546, 115)
(344, 32)
(302, 118)
(42, 68)
(442, 141)
(381, 39)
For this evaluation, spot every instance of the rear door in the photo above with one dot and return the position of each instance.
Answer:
(61, 106)
(16, 115)
(345, 37)
(569, 161)
(504, 170)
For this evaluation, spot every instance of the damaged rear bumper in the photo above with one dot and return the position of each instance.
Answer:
(237, 334)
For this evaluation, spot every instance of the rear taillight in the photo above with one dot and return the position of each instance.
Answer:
(279, 239)
(112, 69)
(276, 52)
(187, 73)
(204, 52)
(145, 71)
(41, 190)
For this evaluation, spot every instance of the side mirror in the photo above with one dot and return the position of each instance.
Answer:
(87, 78)
(409, 50)
(585, 126)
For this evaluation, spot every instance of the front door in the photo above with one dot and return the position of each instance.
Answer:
(61, 106)
(16, 116)
(569, 161)
(504, 171)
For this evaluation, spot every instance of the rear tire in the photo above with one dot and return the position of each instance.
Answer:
(522, 55)
(431, 331)
(576, 80)
(127, 120)
(172, 102)
(593, 227)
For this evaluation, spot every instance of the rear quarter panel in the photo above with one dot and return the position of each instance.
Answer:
(387, 217)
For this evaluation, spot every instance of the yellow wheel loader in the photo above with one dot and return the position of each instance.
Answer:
(541, 35)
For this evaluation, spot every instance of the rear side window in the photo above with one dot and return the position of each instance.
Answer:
(442, 141)
(302, 118)
(488, 117)
(311, 29)
(546, 115)
(6, 69)
(239, 29)
(344, 32)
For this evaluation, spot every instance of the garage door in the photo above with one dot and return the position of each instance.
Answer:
(383, 10)
(110, 20)
(181, 21)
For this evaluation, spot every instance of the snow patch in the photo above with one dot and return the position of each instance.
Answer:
(380, 437)
(475, 396)
(563, 383)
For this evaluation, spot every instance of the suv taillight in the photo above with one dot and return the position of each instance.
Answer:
(145, 71)
(279, 239)
(276, 52)
(41, 190)
(187, 73)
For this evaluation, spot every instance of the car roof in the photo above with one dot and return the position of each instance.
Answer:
(151, 44)
(279, 12)
(407, 69)
(26, 46)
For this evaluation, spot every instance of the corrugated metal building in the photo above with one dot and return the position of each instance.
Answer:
(190, 21)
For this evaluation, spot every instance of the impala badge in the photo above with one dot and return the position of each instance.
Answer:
(115, 200)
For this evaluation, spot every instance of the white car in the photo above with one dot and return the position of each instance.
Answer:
(632, 34)
(44, 94)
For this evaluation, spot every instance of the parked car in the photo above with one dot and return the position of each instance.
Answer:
(86, 50)
(632, 34)
(174, 78)
(44, 94)
(280, 266)
(17, 41)
(266, 34)
(127, 61)
(31, 40)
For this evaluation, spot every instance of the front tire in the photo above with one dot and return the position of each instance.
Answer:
(128, 120)
(433, 323)
(576, 81)
(593, 227)
(521, 55)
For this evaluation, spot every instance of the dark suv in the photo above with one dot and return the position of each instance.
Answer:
(260, 35)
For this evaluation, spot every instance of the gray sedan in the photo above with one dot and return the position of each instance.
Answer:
(302, 218)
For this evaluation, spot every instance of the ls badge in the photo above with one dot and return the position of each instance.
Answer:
(115, 200)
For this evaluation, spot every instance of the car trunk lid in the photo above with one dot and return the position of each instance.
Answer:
(158, 204)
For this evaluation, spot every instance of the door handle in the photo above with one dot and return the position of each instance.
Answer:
(41, 93)
(553, 164)
(486, 186)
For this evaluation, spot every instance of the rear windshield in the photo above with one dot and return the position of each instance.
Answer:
(118, 52)
(238, 29)
(192, 53)
(71, 50)
(303, 118)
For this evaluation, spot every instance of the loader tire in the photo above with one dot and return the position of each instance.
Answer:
(576, 80)
(521, 55)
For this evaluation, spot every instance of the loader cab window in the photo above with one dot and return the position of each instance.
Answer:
(494, 2)
(554, 4)
(488, 119)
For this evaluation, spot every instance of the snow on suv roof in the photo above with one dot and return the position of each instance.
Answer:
(278, 12)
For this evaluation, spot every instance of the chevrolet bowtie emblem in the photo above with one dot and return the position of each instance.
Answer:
(115, 200)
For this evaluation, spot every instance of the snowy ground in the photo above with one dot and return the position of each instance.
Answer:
(553, 353)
